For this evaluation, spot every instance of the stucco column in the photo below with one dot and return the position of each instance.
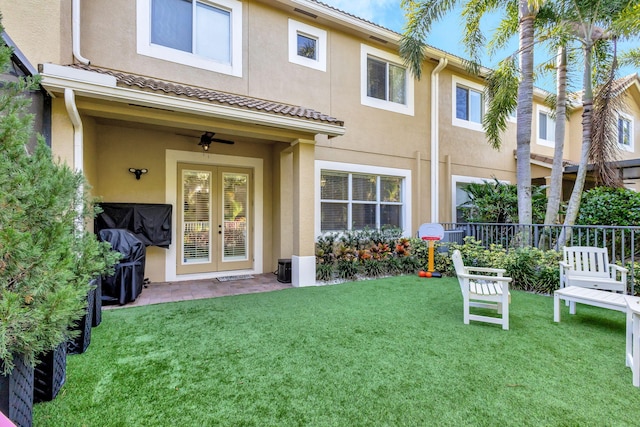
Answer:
(303, 261)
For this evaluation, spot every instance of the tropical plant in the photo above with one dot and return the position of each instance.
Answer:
(421, 15)
(622, 207)
(596, 26)
(46, 260)
(533, 269)
(496, 202)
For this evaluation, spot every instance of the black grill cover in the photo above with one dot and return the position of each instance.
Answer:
(133, 250)
(150, 222)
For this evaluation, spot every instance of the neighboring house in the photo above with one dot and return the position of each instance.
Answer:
(329, 129)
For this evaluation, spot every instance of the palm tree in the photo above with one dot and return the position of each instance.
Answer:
(596, 25)
(420, 16)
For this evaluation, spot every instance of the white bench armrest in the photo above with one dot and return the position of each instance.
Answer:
(483, 277)
(485, 270)
(617, 267)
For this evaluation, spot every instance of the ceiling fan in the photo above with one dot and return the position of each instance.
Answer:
(207, 138)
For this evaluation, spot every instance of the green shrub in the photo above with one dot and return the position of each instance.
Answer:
(533, 269)
(622, 207)
(497, 202)
(476, 255)
(324, 272)
(347, 269)
(46, 262)
(373, 268)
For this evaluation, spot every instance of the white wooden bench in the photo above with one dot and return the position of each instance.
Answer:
(594, 297)
(589, 267)
(619, 302)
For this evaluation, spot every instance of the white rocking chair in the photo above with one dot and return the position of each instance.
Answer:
(489, 289)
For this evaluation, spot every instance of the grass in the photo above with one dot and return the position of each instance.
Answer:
(388, 352)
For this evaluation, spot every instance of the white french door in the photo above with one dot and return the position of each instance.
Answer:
(214, 219)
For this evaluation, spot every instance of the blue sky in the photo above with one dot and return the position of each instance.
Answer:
(446, 34)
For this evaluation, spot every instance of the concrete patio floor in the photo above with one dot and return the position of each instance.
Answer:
(161, 292)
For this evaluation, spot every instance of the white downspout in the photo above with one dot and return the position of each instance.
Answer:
(75, 30)
(435, 133)
(74, 116)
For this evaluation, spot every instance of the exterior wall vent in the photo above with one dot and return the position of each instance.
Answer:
(378, 39)
(304, 12)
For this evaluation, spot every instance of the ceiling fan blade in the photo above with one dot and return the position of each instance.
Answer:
(222, 141)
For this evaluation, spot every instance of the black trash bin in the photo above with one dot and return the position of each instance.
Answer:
(284, 270)
(126, 283)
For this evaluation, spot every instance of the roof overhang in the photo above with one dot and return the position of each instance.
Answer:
(630, 168)
(56, 78)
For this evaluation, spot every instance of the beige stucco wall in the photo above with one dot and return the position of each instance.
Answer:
(468, 151)
(62, 132)
(40, 29)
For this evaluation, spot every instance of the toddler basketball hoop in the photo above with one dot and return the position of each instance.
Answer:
(431, 233)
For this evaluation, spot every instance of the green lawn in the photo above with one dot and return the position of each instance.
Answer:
(389, 352)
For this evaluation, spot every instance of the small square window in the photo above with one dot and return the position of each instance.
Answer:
(307, 45)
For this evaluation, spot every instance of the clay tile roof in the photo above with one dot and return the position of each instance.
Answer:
(213, 96)
(546, 159)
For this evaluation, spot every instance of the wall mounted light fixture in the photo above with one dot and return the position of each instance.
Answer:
(138, 172)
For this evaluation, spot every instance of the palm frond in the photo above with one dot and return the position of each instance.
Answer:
(501, 92)
(420, 16)
(631, 57)
(627, 21)
(474, 39)
(506, 30)
(608, 102)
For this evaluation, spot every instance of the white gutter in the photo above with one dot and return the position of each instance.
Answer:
(74, 116)
(57, 78)
(75, 29)
(435, 140)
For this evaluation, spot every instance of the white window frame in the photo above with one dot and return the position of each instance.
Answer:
(405, 174)
(468, 84)
(631, 146)
(320, 36)
(407, 108)
(145, 47)
(548, 112)
(462, 179)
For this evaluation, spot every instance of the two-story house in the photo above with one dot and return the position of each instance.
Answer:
(262, 123)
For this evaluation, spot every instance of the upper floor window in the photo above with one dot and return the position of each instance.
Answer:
(386, 83)
(468, 105)
(546, 127)
(625, 132)
(307, 45)
(200, 33)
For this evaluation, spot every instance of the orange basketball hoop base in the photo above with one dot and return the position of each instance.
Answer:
(430, 269)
